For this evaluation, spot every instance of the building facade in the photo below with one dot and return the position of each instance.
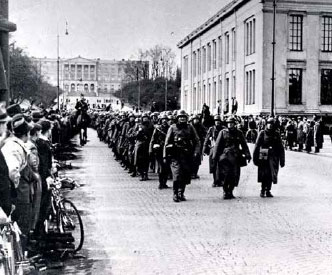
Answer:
(97, 79)
(5, 28)
(230, 56)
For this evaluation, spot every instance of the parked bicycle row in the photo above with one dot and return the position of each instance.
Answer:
(33, 211)
(173, 145)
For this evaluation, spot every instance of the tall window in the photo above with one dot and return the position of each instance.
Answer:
(66, 71)
(86, 72)
(250, 36)
(199, 62)
(326, 87)
(233, 44)
(214, 95)
(220, 52)
(79, 72)
(185, 70)
(296, 33)
(327, 34)
(92, 72)
(209, 95)
(226, 96)
(295, 86)
(227, 48)
(214, 54)
(204, 60)
(72, 72)
(250, 87)
(209, 57)
(194, 98)
(194, 63)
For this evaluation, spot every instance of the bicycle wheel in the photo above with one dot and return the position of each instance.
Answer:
(70, 221)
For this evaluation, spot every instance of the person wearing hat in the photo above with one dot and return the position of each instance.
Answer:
(33, 161)
(268, 154)
(143, 137)
(201, 132)
(5, 185)
(156, 149)
(229, 153)
(181, 146)
(208, 146)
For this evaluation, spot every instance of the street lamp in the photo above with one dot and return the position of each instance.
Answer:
(165, 65)
(273, 57)
(58, 66)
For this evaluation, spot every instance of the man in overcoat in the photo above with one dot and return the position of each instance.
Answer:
(181, 146)
(229, 152)
(268, 162)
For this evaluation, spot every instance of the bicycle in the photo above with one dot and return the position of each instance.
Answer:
(11, 254)
(66, 217)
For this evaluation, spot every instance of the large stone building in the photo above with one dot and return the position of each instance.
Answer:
(95, 78)
(230, 56)
(5, 28)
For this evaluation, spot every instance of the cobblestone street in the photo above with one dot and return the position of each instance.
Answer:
(134, 228)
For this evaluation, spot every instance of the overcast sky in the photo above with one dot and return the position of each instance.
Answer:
(107, 29)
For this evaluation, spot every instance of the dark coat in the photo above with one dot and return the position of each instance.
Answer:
(209, 142)
(229, 147)
(143, 137)
(45, 158)
(186, 145)
(158, 138)
(5, 186)
(268, 169)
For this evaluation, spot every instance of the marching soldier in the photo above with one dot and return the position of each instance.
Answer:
(143, 137)
(229, 153)
(156, 147)
(181, 146)
(201, 132)
(268, 154)
(209, 143)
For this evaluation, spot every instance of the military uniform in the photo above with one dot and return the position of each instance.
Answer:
(185, 144)
(208, 146)
(227, 154)
(156, 148)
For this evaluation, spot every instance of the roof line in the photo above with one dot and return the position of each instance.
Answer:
(224, 12)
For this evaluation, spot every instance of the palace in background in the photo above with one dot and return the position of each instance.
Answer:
(230, 56)
(97, 79)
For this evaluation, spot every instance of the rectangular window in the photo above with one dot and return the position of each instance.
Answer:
(92, 72)
(214, 95)
(199, 62)
(79, 72)
(204, 93)
(250, 36)
(234, 86)
(204, 60)
(209, 95)
(296, 33)
(326, 87)
(199, 96)
(185, 71)
(194, 98)
(227, 88)
(233, 44)
(327, 34)
(220, 52)
(72, 72)
(214, 54)
(227, 48)
(194, 64)
(86, 72)
(295, 86)
(250, 87)
(209, 57)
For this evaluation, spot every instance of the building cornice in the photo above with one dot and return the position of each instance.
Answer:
(214, 20)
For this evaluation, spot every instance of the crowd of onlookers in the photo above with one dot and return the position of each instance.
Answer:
(27, 165)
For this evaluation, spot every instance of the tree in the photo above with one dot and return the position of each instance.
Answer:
(26, 82)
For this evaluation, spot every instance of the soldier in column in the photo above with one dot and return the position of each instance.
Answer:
(268, 154)
(143, 138)
(201, 132)
(229, 153)
(181, 146)
(209, 142)
(156, 148)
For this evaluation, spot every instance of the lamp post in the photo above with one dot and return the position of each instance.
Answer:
(139, 90)
(165, 65)
(58, 67)
(273, 57)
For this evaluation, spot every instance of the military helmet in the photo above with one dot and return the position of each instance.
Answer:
(154, 114)
(169, 113)
(164, 116)
(195, 117)
(170, 117)
(181, 113)
(217, 117)
(145, 115)
(230, 120)
(131, 115)
(270, 120)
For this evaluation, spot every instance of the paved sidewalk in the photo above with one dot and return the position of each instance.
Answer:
(134, 228)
